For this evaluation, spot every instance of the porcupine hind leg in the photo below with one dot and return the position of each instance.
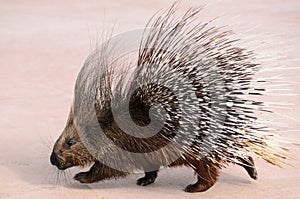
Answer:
(149, 177)
(249, 165)
(99, 172)
(207, 175)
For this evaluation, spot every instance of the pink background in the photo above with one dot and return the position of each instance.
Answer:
(42, 47)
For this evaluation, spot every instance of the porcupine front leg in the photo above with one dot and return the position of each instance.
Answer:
(207, 175)
(98, 172)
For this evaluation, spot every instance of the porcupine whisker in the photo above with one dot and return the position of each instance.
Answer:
(57, 178)
(46, 144)
(68, 178)
(61, 179)
(53, 176)
(51, 172)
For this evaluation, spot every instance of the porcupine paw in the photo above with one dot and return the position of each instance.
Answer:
(197, 188)
(148, 179)
(144, 181)
(83, 177)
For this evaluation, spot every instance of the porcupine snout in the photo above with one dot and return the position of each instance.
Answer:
(57, 161)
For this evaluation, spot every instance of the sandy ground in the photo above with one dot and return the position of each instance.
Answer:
(42, 47)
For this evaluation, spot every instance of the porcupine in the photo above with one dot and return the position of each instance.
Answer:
(218, 126)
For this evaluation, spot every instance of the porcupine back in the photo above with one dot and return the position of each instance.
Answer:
(203, 83)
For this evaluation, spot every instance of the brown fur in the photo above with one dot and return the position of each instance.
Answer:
(65, 156)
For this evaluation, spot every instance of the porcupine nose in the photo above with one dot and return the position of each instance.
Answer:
(53, 159)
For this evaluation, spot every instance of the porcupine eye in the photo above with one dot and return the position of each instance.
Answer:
(70, 142)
